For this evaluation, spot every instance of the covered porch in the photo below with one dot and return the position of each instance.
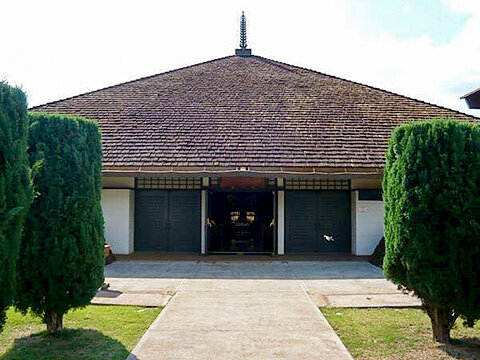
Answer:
(160, 215)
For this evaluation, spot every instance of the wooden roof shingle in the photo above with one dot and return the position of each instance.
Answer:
(246, 111)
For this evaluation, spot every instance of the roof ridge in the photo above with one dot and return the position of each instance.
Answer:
(131, 81)
(366, 85)
(264, 59)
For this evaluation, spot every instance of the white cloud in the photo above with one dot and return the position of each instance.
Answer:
(57, 48)
(463, 6)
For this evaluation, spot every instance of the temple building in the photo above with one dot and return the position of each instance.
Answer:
(244, 154)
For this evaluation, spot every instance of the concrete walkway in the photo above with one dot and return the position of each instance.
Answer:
(235, 311)
(329, 283)
(245, 310)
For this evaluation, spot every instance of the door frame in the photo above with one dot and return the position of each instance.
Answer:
(206, 207)
(168, 220)
(348, 219)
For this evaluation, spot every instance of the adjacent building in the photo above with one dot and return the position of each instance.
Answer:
(473, 99)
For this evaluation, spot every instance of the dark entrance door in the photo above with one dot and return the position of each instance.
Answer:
(167, 220)
(240, 221)
(317, 221)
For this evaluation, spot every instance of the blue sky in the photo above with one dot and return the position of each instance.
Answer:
(425, 49)
(409, 19)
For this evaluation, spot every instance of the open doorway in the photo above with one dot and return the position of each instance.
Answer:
(241, 222)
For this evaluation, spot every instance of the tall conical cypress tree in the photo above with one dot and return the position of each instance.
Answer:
(432, 218)
(15, 192)
(61, 257)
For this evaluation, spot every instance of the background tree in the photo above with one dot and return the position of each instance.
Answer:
(15, 193)
(62, 252)
(432, 221)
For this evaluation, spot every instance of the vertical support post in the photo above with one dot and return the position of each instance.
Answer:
(354, 200)
(204, 212)
(275, 222)
(281, 222)
(203, 234)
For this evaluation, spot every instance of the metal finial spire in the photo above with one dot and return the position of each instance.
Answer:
(243, 31)
(243, 51)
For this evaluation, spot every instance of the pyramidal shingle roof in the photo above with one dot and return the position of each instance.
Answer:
(245, 112)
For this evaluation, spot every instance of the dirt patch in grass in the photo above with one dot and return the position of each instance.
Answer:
(95, 332)
(399, 334)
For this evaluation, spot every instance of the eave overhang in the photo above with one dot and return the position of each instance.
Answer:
(473, 99)
(286, 172)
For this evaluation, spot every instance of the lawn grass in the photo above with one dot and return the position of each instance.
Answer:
(95, 332)
(399, 334)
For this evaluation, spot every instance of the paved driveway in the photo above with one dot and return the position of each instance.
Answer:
(245, 310)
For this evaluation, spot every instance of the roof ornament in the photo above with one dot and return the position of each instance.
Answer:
(243, 51)
(243, 31)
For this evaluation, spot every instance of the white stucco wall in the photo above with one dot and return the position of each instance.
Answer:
(118, 212)
(367, 225)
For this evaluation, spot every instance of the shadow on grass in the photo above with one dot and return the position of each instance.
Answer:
(463, 348)
(69, 345)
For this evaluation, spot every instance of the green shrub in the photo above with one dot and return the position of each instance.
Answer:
(15, 191)
(432, 218)
(61, 257)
